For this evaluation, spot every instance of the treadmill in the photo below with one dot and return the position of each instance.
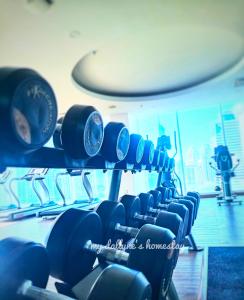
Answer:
(36, 178)
(3, 184)
(90, 203)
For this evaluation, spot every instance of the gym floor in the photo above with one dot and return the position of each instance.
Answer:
(215, 226)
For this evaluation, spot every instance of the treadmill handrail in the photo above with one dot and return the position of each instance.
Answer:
(36, 179)
(58, 185)
(11, 190)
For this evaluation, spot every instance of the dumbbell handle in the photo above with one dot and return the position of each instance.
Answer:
(108, 253)
(32, 292)
(148, 219)
(155, 210)
(163, 206)
(131, 231)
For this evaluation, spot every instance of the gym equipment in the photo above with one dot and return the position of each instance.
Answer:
(21, 260)
(190, 205)
(34, 176)
(135, 152)
(82, 132)
(175, 207)
(116, 142)
(113, 217)
(3, 183)
(24, 274)
(89, 203)
(57, 142)
(28, 110)
(225, 171)
(136, 215)
(75, 242)
(148, 156)
(150, 205)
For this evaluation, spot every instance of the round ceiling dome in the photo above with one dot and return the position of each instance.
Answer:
(158, 62)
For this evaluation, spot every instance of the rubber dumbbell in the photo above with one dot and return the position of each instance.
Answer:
(135, 218)
(28, 110)
(113, 217)
(188, 204)
(75, 242)
(25, 271)
(148, 208)
(116, 142)
(193, 199)
(81, 132)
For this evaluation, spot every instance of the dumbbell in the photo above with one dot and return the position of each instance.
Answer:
(151, 201)
(75, 242)
(136, 150)
(134, 217)
(28, 110)
(57, 140)
(113, 217)
(24, 275)
(182, 208)
(116, 142)
(191, 197)
(148, 155)
(80, 132)
(189, 203)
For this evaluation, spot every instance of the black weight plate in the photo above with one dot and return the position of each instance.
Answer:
(183, 212)
(148, 154)
(146, 202)
(136, 149)
(82, 132)
(69, 261)
(151, 258)
(197, 196)
(57, 141)
(116, 142)
(156, 158)
(174, 223)
(171, 221)
(123, 143)
(189, 205)
(126, 284)
(157, 197)
(132, 205)
(21, 260)
(161, 159)
(111, 213)
(28, 109)
(194, 202)
(164, 192)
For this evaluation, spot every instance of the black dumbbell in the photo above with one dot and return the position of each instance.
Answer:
(173, 195)
(116, 142)
(82, 132)
(136, 149)
(75, 242)
(180, 208)
(57, 139)
(148, 155)
(113, 217)
(189, 204)
(24, 275)
(28, 110)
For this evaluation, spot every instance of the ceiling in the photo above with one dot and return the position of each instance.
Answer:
(139, 44)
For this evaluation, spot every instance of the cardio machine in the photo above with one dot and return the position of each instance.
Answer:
(224, 171)
(77, 203)
(4, 177)
(35, 177)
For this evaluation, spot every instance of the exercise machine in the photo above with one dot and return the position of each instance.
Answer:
(224, 171)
